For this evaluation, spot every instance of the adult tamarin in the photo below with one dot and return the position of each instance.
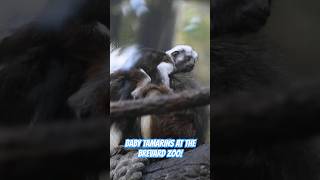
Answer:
(165, 79)
(180, 124)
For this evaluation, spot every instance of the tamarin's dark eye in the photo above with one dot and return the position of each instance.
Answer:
(175, 54)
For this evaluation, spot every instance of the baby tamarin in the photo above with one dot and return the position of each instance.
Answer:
(134, 67)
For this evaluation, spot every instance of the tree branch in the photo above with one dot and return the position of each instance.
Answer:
(195, 164)
(161, 104)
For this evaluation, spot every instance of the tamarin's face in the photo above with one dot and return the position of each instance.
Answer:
(184, 58)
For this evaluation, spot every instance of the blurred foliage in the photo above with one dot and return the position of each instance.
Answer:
(193, 28)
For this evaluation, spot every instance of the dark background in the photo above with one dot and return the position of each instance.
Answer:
(293, 29)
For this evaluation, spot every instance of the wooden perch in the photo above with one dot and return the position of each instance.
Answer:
(267, 116)
(194, 165)
(161, 104)
(69, 150)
